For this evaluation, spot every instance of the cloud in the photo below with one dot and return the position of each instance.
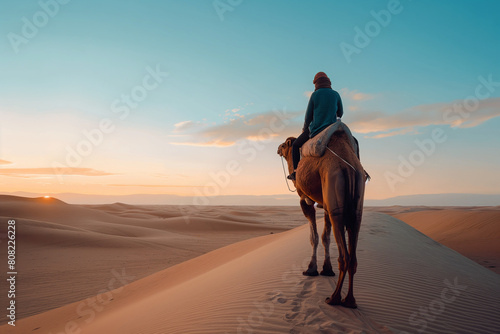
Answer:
(211, 143)
(150, 185)
(4, 162)
(24, 172)
(234, 113)
(355, 95)
(393, 133)
(374, 124)
(181, 126)
(252, 127)
(459, 114)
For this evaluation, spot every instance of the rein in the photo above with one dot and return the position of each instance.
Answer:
(368, 177)
(284, 173)
(341, 158)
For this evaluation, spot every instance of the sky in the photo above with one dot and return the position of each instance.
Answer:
(193, 97)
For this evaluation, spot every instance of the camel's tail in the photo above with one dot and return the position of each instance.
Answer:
(358, 193)
(353, 198)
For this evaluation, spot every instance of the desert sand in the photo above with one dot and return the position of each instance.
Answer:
(194, 274)
(472, 231)
(66, 253)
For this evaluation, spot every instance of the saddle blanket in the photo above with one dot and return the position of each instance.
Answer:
(316, 146)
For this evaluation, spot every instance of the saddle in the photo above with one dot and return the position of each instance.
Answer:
(316, 146)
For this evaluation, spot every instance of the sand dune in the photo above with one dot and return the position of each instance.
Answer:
(406, 282)
(471, 231)
(66, 253)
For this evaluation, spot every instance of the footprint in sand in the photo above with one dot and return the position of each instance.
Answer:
(276, 296)
(298, 303)
(306, 288)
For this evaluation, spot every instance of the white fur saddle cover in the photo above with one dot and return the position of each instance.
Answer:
(316, 146)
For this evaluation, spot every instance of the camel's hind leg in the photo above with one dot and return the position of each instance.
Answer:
(339, 233)
(334, 198)
(353, 232)
(310, 213)
(327, 231)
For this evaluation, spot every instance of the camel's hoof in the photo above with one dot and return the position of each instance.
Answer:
(332, 302)
(351, 303)
(310, 273)
(327, 273)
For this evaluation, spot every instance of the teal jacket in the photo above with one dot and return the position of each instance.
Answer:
(323, 109)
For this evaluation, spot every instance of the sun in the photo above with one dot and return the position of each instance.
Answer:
(46, 196)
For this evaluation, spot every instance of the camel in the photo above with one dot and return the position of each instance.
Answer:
(338, 188)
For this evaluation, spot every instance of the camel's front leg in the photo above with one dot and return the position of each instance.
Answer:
(310, 213)
(327, 231)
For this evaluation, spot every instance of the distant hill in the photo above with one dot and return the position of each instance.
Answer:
(155, 199)
(439, 200)
(274, 200)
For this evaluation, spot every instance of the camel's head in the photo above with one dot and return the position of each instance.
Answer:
(285, 149)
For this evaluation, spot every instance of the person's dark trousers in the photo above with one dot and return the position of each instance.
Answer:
(297, 144)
